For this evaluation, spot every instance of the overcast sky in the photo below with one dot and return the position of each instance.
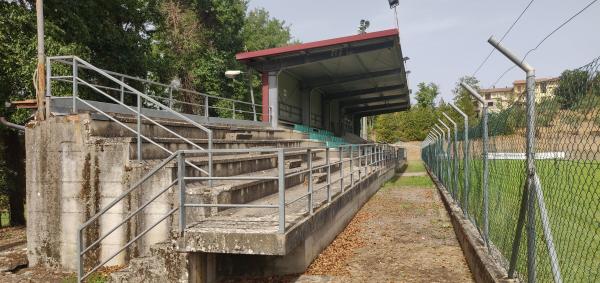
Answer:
(446, 39)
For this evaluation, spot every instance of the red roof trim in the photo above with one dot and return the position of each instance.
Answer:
(315, 44)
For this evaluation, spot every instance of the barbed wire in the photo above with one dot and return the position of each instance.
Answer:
(502, 38)
(546, 37)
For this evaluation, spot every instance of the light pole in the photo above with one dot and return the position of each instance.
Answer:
(234, 73)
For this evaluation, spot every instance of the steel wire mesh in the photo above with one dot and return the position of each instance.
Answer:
(567, 161)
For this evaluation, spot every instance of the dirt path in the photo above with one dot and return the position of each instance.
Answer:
(403, 234)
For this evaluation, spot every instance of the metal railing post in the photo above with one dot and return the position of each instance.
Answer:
(80, 266)
(351, 167)
(341, 169)
(206, 109)
(171, 97)
(310, 181)
(75, 85)
(466, 158)
(486, 222)
(122, 94)
(281, 185)
(139, 127)
(210, 158)
(181, 183)
(48, 97)
(233, 109)
(328, 174)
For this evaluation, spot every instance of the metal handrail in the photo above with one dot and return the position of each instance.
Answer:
(376, 155)
(61, 59)
(139, 134)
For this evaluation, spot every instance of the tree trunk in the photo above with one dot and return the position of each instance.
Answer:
(15, 181)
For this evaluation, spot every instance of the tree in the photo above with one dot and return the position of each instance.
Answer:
(260, 31)
(463, 99)
(426, 94)
(572, 87)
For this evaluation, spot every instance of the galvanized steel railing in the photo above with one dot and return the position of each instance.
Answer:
(364, 160)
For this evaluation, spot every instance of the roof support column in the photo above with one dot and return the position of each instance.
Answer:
(305, 105)
(265, 98)
(273, 98)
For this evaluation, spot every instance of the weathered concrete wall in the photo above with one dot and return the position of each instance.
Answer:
(70, 176)
(484, 267)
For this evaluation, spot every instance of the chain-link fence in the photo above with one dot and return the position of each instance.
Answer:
(548, 228)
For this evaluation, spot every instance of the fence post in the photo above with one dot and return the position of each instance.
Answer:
(466, 159)
(532, 189)
(484, 106)
(440, 147)
(281, 185)
(455, 155)
(449, 175)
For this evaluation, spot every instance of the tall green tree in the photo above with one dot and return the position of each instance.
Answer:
(463, 99)
(572, 87)
(426, 94)
(261, 31)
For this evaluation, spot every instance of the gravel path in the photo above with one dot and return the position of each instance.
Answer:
(403, 234)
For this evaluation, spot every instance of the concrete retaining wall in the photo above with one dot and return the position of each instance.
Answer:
(483, 266)
(70, 176)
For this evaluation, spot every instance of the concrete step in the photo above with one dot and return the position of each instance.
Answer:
(319, 177)
(232, 226)
(238, 136)
(293, 163)
(164, 264)
(104, 127)
(244, 191)
(244, 163)
(151, 151)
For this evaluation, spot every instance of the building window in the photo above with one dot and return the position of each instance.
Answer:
(543, 87)
(488, 96)
(490, 103)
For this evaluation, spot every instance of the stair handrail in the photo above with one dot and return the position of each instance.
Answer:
(75, 61)
(81, 250)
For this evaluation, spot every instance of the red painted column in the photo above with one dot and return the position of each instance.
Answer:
(265, 97)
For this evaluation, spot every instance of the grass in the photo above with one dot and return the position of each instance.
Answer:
(4, 219)
(416, 166)
(408, 181)
(94, 278)
(572, 198)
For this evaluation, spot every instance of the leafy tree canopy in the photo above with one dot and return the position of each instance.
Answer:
(426, 94)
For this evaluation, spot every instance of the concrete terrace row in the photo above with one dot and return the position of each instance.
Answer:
(93, 160)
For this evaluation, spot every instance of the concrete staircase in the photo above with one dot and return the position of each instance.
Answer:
(112, 166)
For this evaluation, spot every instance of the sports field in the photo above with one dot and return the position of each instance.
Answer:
(572, 198)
